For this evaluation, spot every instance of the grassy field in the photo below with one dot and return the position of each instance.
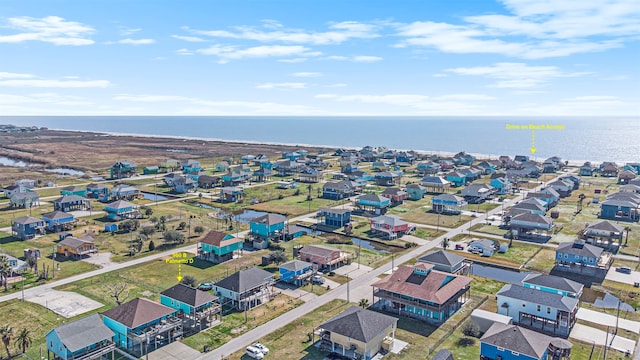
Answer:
(234, 325)
(294, 205)
(543, 261)
(517, 255)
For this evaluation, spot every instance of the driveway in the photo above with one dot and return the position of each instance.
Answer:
(65, 303)
(591, 335)
(294, 292)
(607, 320)
(101, 259)
(614, 275)
(175, 350)
(352, 270)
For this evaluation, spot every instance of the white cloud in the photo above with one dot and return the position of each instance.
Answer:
(533, 29)
(516, 75)
(284, 86)
(307, 74)
(358, 58)
(129, 41)
(293, 60)
(439, 75)
(8, 75)
(50, 29)
(337, 33)
(226, 53)
(337, 85)
(184, 52)
(188, 38)
(126, 31)
(465, 97)
(41, 83)
(48, 98)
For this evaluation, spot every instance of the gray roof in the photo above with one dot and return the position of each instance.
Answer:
(138, 311)
(74, 243)
(555, 282)
(534, 218)
(55, 215)
(556, 301)
(435, 180)
(269, 219)
(606, 226)
(448, 197)
(373, 197)
(244, 280)
(443, 355)
(69, 199)
(188, 295)
(295, 265)
(441, 257)
(518, 339)
(359, 324)
(119, 204)
(580, 249)
(83, 332)
(25, 195)
(24, 220)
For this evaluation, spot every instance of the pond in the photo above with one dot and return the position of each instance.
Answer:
(508, 276)
(205, 206)
(247, 215)
(153, 197)
(11, 162)
(65, 171)
(19, 163)
(368, 245)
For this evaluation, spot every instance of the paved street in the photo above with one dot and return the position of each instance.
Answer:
(591, 335)
(608, 320)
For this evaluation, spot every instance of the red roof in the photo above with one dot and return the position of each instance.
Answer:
(436, 286)
(217, 238)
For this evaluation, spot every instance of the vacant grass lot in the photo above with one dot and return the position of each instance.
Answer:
(517, 255)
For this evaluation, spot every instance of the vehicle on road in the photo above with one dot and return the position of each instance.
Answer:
(263, 349)
(624, 269)
(205, 286)
(254, 353)
(459, 247)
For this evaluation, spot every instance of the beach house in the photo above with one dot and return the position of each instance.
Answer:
(57, 221)
(25, 200)
(512, 342)
(169, 164)
(324, 257)
(123, 169)
(121, 209)
(183, 185)
(577, 256)
(191, 166)
(124, 192)
(420, 292)
(427, 168)
(197, 308)
(217, 246)
(335, 217)
(602, 233)
(236, 175)
(543, 311)
(448, 204)
(456, 178)
(85, 338)
(229, 194)
(416, 191)
(98, 191)
(68, 203)
(531, 226)
(462, 158)
(296, 272)
(338, 190)
(141, 326)
(245, 289)
(501, 184)
(76, 247)
(358, 333)
(390, 226)
(554, 284)
(622, 206)
(435, 184)
(445, 261)
(74, 190)
(396, 195)
(27, 227)
(371, 203)
(208, 181)
(477, 193)
(587, 169)
(266, 228)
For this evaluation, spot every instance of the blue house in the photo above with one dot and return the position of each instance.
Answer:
(98, 191)
(375, 204)
(448, 204)
(231, 194)
(623, 206)
(536, 309)
(121, 209)
(388, 178)
(70, 203)
(462, 158)
(245, 289)
(236, 175)
(416, 191)
(296, 272)
(267, 227)
(56, 221)
(512, 342)
(291, 155)
(142, 325)
(587, 169)
(578, 253)
(457, 178)
(405, 158)
(126, 192)
(86, 338)
(199, 306)
(487, 167)
(335, 217)
(191, 167)
(338, 190)
(74, 190)
(217, 246)
(27, 227)
(246, 159)
(554, 284)
(183, 185)
(428, 168)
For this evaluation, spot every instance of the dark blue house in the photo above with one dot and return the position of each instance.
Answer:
(624, 206)
(27, 227)
(512, 342)
(578, 253)
(296, 271)
(335, 217)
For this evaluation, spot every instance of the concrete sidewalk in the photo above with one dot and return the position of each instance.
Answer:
(592, 335)
(607, 320)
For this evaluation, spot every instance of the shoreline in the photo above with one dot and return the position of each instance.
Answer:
(478, 156)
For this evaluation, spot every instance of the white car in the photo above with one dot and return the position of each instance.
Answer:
(254, 353)
(263, 349)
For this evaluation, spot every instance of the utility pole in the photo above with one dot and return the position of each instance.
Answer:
(53, 263)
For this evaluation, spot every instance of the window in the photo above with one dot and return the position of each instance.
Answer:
(566, 256)
(539, 307)
(515, 353)
(524, 304)
(548, 310)
(500, 348)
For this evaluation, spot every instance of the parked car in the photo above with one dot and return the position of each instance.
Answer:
(205, 286)
(254, 353)
(624, 269)
(317, 279)
(263, 349)
(459, 247)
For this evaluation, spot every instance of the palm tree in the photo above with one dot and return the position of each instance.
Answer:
(626, 239)
(5, 271)
(6, 332)
(23, 340)
(364, 303)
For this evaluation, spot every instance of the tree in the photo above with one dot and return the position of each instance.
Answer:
(627, 229)
(445, 243)
(152, 245)
(117, 291)
(23, 340)
(6, 332)
(148, 211)
(172, 236)
(189, 281)
(278, 257)
(4, 267)
(148, 230)
(198, 229)
(364, 303)
(182, 225)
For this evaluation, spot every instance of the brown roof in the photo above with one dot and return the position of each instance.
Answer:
(216, 238)
(138, 312)
(318, 250)
(433, 287)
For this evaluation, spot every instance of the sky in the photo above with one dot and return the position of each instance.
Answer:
(320, 57)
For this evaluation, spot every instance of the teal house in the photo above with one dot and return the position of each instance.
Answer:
(121, 209)
(267, 227)
(74, 190)
(217, 246)
(142, 326)
(197, 307)
(457, 178)
(86, 338)
(372, 203)
(416, 191)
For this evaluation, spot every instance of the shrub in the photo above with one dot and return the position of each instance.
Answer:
(472, 330)
(464, 342)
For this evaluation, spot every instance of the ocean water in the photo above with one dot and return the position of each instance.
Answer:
(590, 138)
